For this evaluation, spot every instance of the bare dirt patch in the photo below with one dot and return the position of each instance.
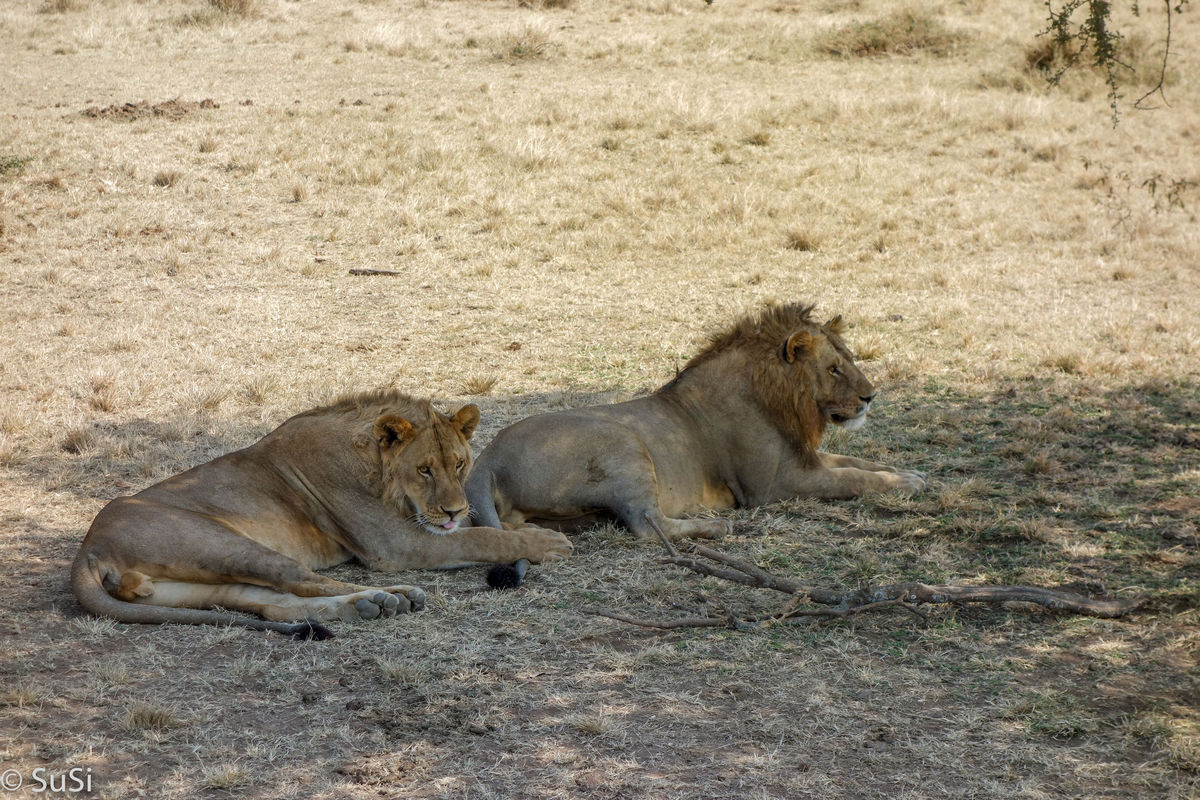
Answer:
(171, 110)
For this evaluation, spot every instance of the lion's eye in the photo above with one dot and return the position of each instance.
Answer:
(834, 370)
(426, 471)
(459, 467)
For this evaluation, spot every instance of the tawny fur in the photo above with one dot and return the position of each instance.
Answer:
(740, 425)
(375, 476)
(755, 339)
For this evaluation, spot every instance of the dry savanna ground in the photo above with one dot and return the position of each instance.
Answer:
(573, 193)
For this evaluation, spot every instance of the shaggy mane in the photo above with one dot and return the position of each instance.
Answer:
(758, 338)
(769, 327)
(373, 402)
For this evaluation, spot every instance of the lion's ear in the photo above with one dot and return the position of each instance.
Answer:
(798, 345)
(393, 431)
(465, 419)
(836, 325)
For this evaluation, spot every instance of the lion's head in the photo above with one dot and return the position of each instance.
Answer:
(824, 366)
(800, 371)
(424, 464)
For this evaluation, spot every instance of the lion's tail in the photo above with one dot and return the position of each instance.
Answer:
(85, 581)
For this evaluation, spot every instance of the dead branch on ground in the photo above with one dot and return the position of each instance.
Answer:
(841, 603)
(364, 271)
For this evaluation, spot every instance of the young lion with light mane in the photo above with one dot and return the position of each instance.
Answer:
(376, 476)
(739, 426)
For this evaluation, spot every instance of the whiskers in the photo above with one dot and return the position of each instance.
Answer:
(422, 520)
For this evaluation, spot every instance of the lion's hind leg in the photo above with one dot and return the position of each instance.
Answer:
(288, 583)
(637, 505)
(644, 521)
(277, 606)
(209, 563)
(630, 491)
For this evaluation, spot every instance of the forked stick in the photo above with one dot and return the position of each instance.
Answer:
(857, 601)
(752, 575)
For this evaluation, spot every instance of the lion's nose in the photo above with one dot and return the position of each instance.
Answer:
(867, 399)
(454, 513)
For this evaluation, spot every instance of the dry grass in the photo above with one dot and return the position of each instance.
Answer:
(902, 33)
(804, 240)
(530, 39)
(167, 177)
(479, 384)
(574, 197)
(143, 716)
(13, 164)
(241, 8)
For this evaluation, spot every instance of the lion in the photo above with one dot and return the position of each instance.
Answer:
(739, 426)
(375, 476)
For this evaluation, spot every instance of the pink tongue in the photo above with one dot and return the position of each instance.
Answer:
(449, 525)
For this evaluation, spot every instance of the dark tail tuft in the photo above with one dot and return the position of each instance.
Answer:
(507, 576)
(308, 630)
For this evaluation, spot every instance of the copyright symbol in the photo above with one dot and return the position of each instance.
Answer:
(10, 780)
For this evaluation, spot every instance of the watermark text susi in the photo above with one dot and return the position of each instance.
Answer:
(72, 781)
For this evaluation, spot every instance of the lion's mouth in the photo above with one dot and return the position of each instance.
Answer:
(449, 525)
(441, 528)
(850, 422)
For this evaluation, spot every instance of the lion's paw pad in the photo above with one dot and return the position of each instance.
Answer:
(417, 598)
(367, 609)
(408, 598)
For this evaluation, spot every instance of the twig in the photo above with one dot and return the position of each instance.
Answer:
(849, 603)
(914, 610)
(374, 272)
(691, 622)
(671, 551)
(752, 575)
(1162, 72)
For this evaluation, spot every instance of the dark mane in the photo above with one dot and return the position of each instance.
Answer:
(765, 329)
(769, 327)
(755, 343)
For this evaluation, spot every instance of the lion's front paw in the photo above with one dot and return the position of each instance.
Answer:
(545, 545)
(909, 482)
(414, 594)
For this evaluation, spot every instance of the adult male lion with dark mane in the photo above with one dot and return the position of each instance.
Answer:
(740, 425)
(375, 476)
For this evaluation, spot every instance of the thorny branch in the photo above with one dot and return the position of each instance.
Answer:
(1162, 73)
(1095, 36)
(841, 604)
